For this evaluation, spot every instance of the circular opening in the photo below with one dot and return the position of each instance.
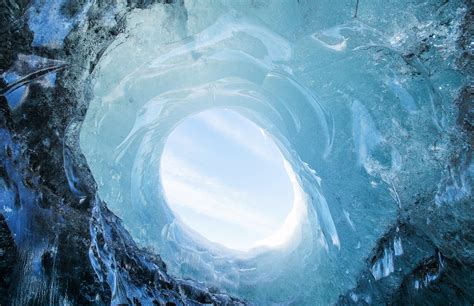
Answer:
(227, 180)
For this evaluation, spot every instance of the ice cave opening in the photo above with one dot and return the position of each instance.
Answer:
(351, 114)
(226, 179)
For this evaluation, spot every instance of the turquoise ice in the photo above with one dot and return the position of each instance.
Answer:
(349, 107)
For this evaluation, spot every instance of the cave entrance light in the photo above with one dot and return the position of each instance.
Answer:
(226, 179)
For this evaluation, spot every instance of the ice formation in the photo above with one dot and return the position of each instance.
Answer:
(339, 99)
(369, 105)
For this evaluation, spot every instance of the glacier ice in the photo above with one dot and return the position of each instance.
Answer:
(372, 113)
(350, 112)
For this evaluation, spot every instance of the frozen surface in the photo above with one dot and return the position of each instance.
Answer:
(51, 21)
(362, 121)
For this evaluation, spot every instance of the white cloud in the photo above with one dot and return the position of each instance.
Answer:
(187, 188)
(251, 141)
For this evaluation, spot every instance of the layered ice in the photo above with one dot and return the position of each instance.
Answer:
(349, 106)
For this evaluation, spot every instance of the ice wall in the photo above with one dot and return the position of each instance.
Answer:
(348, 102)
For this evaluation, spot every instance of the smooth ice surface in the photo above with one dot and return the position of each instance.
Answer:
(226, 179)
(350, 107)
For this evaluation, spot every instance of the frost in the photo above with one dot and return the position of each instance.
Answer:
(49, 24)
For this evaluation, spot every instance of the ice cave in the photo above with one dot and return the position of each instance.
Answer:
(236, 152)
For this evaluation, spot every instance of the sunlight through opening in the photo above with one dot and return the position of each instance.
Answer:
(227, 180)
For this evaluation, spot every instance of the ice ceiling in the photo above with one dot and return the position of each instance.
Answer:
(350, 113)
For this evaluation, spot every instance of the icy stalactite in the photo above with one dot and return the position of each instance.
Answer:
(397, 246)
(385, 264)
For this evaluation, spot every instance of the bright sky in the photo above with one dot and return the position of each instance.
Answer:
(226, 179)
